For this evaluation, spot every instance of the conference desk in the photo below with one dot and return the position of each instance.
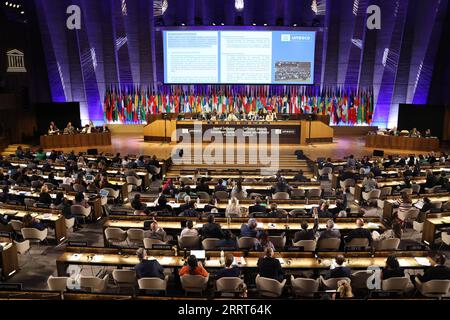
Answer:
(107, 257)
(431, 225)
(75, 140)
(52, 218)
(402, 143)
(387, 183)
(9, 262)
(390, 204)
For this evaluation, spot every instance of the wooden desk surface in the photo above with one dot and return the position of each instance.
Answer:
(53, 217)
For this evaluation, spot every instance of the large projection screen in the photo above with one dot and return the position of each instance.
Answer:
(238, 57)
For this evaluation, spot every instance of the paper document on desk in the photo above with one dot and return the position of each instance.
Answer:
(272, 225)
(239, 261)
(166, 261)
(281, 260)
(423, 261)
(97, 258)
(34, 215)
(75, 257)
(404, 263)
(260, 225)
(372, 225)
(213, 263)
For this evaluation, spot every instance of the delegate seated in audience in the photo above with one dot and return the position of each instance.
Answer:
(392, 269)
(249, 229)
(257, 207)
(329, 232)
(31, 222)
(395, 231)
(67, 212)
(168, 188)
(80, 200)
(156, 232)
(4, 195)
(44, 196)
(305, 233)
(270, 267)
(281, 186)
(220, 186)
(202, 186)
(431, 179)
(359, 232)
(211, 229)
(211, 206)
(443, 181)
(299, 177)
(238, 191)
(407, 172)
(40, 155)
(233, 209)
(263, 242)
(339, 270)
(51, 179)
(230, 270)
(405, 204)
(104, 183)
(369, 183)
(438, 272)
(348, 174)
(19, 152)
(274, 212)
(426, 208)
(137, 203)
(351, 162)
(189, 230)
(344, 290)
(228, 242)
(148, 268)
(193, 267)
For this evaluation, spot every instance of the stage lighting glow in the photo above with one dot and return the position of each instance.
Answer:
(213, 23)
(265, 24)
(6, 3)
(222, 24)
(160, 7)
(314, 6)
(294, 25)
(253, 24)
(183, 24)
(22, 12)
(239, 5)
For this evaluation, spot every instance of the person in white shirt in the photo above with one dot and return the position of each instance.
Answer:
(232, 117)
(271, 116)
(189, 230)
(67, 179)
(233, 209)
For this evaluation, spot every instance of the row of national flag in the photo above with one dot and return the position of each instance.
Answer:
(344, 106)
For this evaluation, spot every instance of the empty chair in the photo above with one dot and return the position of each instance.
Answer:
(411, 214)
(433, 288)
(66, 187)
(148, 242)
(112, 194)
(34, 235)
(70, 223)
(210, 243)
(407, 191)
(415, 188)
(281, 196)
(330, 244)
(446, 206)
(229, 284)
(357, 243)
(331, 284)
(29, 202)
(445, 237)
(314, 193)
(269, 287)
(246, 242)
(153, 284)
(135, 236)
(395, 284)
(347, 183)
(115, 235)
(35, 184)
(255, 195)
(17, 226)
(124, 278)
(250, 180)
(359, 279)
(308, 245)
(278, 242)
(194, 283)
(436, 205)
(298, 212)
(298, 193)
(385, 191)
(435, 189)
(80, 211)
(57, 283)
(304, 287)
(418, 226)
(186, 180)
(325, 171)
(203, 196)
(388, 244)
(134, 182)
(78, 188)
(221, 195)
(93, 284)
(22, 247)
(189, 242)
(371, 195)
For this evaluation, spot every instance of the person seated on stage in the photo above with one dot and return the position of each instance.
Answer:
(189, 230)
(338, 270)
(260, 116)
(242, 116)
(394, 131)
(307, 234)
(232, 117)
(359, 232)
(251, 115)
(86, 129)
(414, 133)
(233, 209)
(213, 116)
(239, 191)
(203, 186)
(30, 222)
(329, 232)
(438, 272)
(148, 268)
(69, 129)
(220, 186)
(229, 271)
(52, 129)
(104, 128)
(257, 207)
(211, 229)
(156, 232)
(270, 116)
(263, 242)
(193, 267)
(427, 133)
(269, 266)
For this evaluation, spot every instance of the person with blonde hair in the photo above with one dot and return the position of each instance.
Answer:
(233, 208)
(44, 196)
(344, 289)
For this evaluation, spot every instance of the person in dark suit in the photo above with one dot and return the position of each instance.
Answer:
(257, 207)
(339, 271)
(329, 232)
(305, 233)
(431, 179)
(44, 196)
(211, 229)
(359, 232)
(270, 267)
(299, 177)
(438, 272)
(202, 186)
(148, 268)
(392, 269)
(229, 271)
(219, 186)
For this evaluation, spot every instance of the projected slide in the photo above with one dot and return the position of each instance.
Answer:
(243, 57)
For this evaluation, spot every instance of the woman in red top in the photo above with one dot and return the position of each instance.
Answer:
(193, 267)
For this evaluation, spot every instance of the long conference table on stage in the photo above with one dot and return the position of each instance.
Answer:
(402, 143)
(75, 140)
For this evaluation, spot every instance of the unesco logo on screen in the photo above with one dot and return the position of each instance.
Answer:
(288, 38)
(285, 37)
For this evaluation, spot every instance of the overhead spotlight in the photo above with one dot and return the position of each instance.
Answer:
(294, 25)
(213, 23)
(253, 24)
(10, 4)
(22, 12)
(265, 24)
(6, 3)
(222, 24)
(183, 24)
